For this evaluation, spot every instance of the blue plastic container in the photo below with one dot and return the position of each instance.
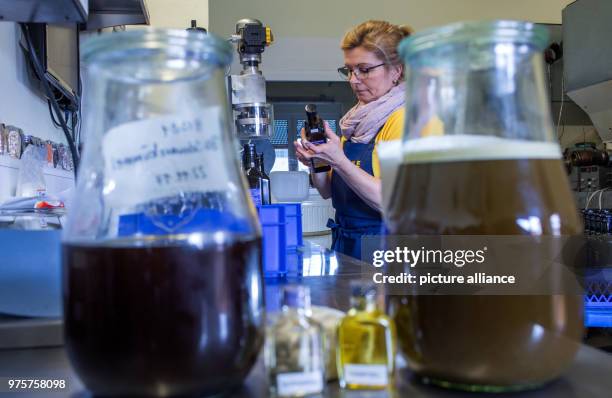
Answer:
(293, 217)
(294, 263)
(274, 245)
(598, 299)
(281, 225)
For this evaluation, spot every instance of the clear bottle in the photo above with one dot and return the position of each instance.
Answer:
(266, 198)
(366, 342)
(295, 358)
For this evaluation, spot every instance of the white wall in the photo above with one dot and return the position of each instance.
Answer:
(307, 33)
(177, 13)
(19, 104)
(22, 107)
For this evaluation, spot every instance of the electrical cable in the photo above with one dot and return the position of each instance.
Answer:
(55, 122)
(600, 195)
(39, 71)
(586, 202)
(590, 197)
(561, 109)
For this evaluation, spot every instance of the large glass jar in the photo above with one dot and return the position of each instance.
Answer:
(162, 280)
(480, 158)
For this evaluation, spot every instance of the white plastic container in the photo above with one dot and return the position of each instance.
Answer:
(289, 186)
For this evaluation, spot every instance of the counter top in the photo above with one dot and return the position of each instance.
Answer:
(589, 376)
(328, 274)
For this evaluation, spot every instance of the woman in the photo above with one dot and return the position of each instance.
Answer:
(375, 73)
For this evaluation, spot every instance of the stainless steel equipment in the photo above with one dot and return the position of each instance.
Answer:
(253, 116)
(588, 60)
(589, 168)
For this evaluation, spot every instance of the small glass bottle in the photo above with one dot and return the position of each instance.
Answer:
(266, 198)
(295, 357)
(253, 175)
(366, 342)
(315, 133)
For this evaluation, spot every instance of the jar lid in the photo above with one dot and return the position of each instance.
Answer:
(477, 32)
(186, 49)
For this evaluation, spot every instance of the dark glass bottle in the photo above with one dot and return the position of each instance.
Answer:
(315, 134)
(252, 173)
(266, 197)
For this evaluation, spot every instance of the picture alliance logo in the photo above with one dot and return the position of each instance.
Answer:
(405, 255)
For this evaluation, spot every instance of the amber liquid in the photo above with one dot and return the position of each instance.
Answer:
(485, 343)
(366, 337)
(163, 321)
(315, 133)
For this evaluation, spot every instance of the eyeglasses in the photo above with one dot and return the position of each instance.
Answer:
(361, 72)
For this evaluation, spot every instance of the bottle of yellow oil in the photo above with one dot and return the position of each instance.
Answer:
(366, 342)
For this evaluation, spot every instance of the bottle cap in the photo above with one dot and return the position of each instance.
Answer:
(310, 108)
(361, 288)
(296, 296)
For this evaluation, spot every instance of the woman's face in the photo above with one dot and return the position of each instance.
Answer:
(378, 81)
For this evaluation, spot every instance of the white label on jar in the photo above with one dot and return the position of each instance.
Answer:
(366, 375)
(164, 156)
(299, 383)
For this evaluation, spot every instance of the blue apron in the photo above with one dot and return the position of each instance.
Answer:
(354, 218)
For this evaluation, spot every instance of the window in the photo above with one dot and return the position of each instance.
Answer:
(289, 120)
(280, 132)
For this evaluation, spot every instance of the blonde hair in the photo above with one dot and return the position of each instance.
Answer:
(378, 37)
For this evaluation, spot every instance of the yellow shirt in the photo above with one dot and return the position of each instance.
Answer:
(391, 130)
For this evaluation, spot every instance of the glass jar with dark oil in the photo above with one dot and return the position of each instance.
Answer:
(479, 157)
(162, 279)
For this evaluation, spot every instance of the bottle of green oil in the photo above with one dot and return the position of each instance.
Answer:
(366, 342)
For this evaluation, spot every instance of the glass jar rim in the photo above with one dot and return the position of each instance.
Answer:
(478, 32)
(204, 46)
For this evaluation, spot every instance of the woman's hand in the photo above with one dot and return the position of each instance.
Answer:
(331, 152)
(302, 154)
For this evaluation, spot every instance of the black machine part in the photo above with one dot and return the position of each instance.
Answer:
(263, 146)
(253, 36)
(586, 157)
(196, 28)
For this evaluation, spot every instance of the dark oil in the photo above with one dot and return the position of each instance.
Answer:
(481, 341)
(163, 320)
(315, 134)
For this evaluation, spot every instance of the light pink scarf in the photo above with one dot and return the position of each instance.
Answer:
(363, 121)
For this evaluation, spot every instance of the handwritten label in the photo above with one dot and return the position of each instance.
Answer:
(299, 383)
(163, 157)
(366, 375)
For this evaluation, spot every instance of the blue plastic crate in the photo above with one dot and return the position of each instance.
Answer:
(281, 225)
(274, 246)
(598, 299)
(293, 217)
(294, 263)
